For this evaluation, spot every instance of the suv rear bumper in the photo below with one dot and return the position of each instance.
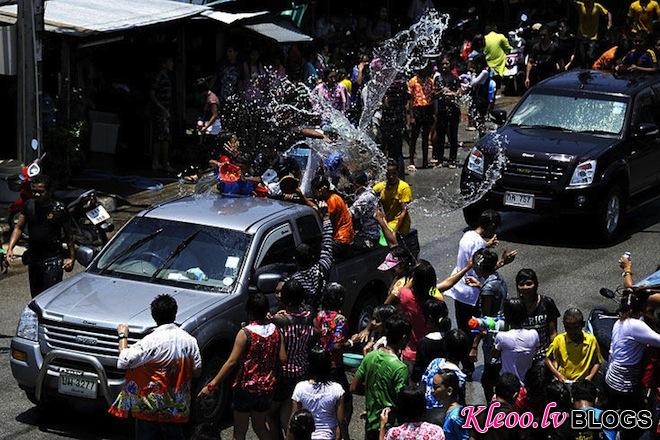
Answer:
(39, 376)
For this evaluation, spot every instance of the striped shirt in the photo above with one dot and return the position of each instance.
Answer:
(314, 278)
(298, 331)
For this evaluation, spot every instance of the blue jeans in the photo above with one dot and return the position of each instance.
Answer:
(145, 430)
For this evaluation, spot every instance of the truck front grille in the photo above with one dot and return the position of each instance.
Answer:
(88, 341)
(550, 172)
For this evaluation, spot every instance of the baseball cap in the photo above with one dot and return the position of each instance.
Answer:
(389, 262)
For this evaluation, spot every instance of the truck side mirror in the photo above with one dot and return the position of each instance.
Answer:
(85, 255)
(267, 282)
(646, 129)
(499, 116)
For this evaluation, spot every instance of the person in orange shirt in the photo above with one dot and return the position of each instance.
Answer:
(611, 57)
(340, 216)
(420, 88)
(641, 15)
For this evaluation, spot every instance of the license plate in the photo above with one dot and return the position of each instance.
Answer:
(73, 383)
(98, 215)
(519, 200)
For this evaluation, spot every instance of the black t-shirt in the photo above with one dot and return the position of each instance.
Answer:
(539, 320)
(428, 349)
(448, 80)
(544, 60)
(48, 228)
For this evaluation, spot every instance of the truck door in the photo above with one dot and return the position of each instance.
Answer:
(276, 255)
(644, 151)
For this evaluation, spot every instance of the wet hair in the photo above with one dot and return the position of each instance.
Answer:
(558, 393)
(485, 261)
(479, 62)
(360, 178)
(584, 389)
(320, 364)
(406, 260)
(304, 255)
(515, 312)
(527, 275)
(457, 344)
(333, 298)
(632, 303)
(397, 328)
(573, 314)
(301, 425)
(423, 280)
(391, 163)
(257, 306)
(507, 386)
(411, 403)
(450, 379)
(383, 312)
(319, 182)
(292, 293)
(163, 309)
(436, 312)
(489, 218)
(477, 42)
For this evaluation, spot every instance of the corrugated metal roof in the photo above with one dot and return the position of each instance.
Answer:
(279, 33)
(82, 17)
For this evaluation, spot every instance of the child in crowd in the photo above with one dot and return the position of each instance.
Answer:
(301, 426)
(332, 326)
(585, 393)
(506, 390)
(373, 336)
(383, 374)
(257, 349)
(491, 300)
(322, 397)
(446, 390)
(409, 411)
(297, 327)
(574, 354)
(431, 346)
(517, 345)
(456, 346)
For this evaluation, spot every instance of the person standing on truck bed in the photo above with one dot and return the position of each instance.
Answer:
(48, 225)
(159, 371)
(395, 194)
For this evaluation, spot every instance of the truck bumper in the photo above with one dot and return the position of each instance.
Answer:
(37, 374)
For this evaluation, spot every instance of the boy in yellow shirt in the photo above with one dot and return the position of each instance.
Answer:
(574, 354)
(641, 15)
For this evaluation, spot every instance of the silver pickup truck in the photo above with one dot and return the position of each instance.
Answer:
(208, 252)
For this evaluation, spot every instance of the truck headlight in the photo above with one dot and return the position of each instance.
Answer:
(476, 162)
(584, 173)
(28, 325)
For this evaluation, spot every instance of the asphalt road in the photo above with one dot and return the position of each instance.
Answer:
(571, 269)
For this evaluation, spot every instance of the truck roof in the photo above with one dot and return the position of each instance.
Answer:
(600, 82)
(238, 213)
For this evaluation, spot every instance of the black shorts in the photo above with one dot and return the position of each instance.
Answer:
(245, 401)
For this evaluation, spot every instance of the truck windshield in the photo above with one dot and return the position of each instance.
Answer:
(570, 113)
(175, 253)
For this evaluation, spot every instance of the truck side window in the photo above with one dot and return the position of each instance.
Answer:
(278, 247)
(310, 233)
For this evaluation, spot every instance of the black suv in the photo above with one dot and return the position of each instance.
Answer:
(582, 142)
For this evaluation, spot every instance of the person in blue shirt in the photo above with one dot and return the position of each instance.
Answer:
(584, 393)
(446, 390)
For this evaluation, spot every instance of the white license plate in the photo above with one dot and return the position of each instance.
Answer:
(72, 383)
(519, 200)
(98, 215)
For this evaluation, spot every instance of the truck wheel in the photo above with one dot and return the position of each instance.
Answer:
(212, 408)
(610, 215)
(363, 310)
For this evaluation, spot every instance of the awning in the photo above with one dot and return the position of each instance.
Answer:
(229, 18)
(84, 17)
(278, 33)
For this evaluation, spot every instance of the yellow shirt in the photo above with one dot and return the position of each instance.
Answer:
(641, 17)
(495, 50)
(574, 361)
(588, 26)
(394, 199)
(348, 84)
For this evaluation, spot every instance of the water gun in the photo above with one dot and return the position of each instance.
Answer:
(486, 324)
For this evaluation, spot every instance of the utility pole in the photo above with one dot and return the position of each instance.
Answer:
(29, 30)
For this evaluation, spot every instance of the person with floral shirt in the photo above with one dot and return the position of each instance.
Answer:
(159, 370)
(409, 410)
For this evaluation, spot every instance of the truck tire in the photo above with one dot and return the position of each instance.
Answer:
(610, 215)
(362, 311)
(212, 408)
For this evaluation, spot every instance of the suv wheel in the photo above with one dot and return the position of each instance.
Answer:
(610, 216)
(363, 310)
(213, 407)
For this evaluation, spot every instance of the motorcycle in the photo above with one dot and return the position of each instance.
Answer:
(90, 221)
(516, 60)
(601, 321)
